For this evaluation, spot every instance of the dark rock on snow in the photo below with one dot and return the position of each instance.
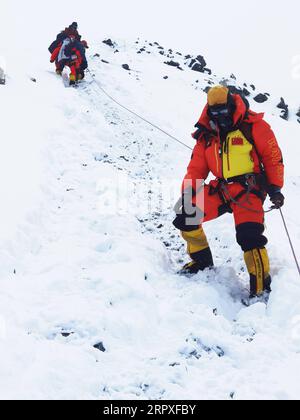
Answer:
(261, 98)
(285, 109)
(201, 60)
(239, 91)
(198, 64)
(282, 104)
(100, 347)
(109, 42)
(126, 67)
(285, 115)
(66, 334)
(173, 64)
(193, 61)
(246, 92)
(198, 67)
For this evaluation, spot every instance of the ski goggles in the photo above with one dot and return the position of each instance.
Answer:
(220, 111)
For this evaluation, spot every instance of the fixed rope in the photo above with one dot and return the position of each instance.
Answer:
(190, 148)
(137, 115)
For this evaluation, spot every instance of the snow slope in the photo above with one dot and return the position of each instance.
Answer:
(91, 256)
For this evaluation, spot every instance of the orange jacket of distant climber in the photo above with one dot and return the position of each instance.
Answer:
(55, 53)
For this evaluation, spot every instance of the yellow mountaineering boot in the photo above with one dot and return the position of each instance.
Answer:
(258, 265)
(199, 251)
(72, 79)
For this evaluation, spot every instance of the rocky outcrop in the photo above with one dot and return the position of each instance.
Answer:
(109, 42)
(199, 65)
(261, 98)
(285, 109)
(173, 64)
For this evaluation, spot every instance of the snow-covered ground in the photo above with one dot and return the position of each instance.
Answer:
(89, 255)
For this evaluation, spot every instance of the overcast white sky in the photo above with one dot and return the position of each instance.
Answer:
(257, 40)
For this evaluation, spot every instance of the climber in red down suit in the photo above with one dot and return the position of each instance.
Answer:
(69, 50)
(239, 148)
(71, 53)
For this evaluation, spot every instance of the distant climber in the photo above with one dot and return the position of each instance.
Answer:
(70, 51)
(239, 148)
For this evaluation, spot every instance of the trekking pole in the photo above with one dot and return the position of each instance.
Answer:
(291, 243)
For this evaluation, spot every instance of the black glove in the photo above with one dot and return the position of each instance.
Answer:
(276, 197)
(186, 211)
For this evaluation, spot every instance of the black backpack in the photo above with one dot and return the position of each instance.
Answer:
(59, 39)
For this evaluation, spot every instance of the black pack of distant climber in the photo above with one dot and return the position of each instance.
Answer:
(71, 30)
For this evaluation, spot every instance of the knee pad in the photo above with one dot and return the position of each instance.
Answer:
(250, 236)
(181, 224)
